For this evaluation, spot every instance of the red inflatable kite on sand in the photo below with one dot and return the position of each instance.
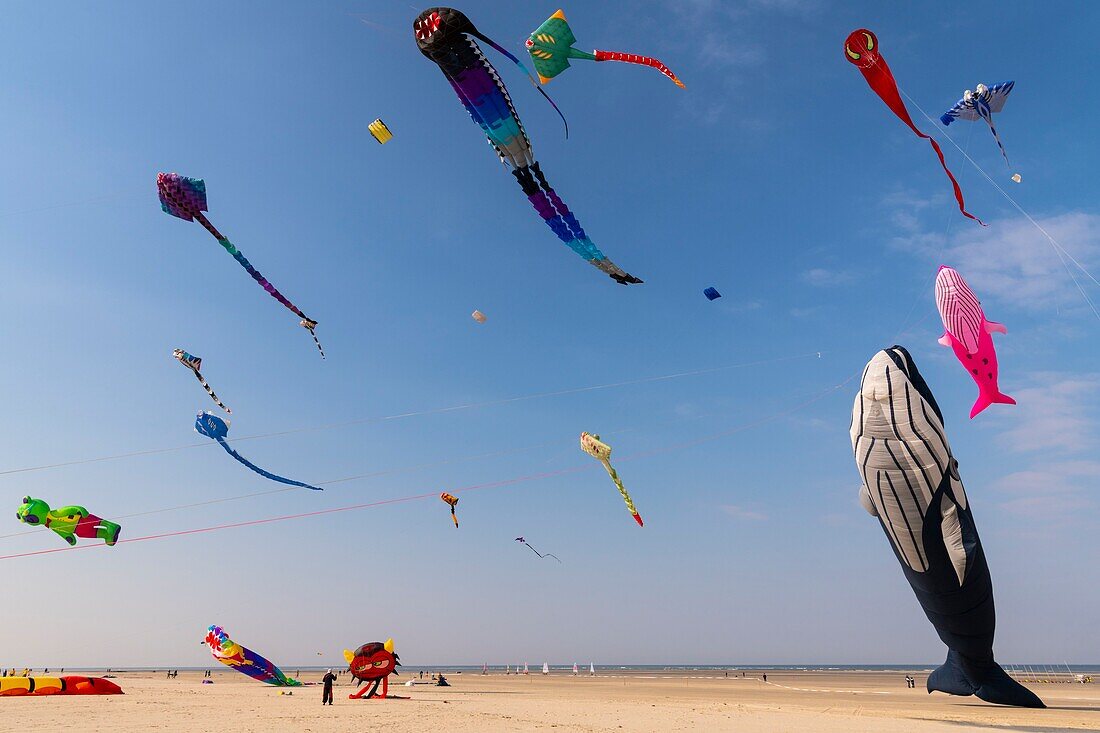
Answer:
(19, 686)
(861, 49)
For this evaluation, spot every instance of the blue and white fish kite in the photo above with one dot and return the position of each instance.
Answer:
(981, 104)
(212, 426)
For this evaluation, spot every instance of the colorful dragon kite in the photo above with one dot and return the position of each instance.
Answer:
(446, 36)
(69, 522)
(194, 363)
(591, 445)
(212, 426)
(186, 198)
(551, 47)
(245, 661)
(861, 49)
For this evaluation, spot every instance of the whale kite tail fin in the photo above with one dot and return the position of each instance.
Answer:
(999, 688)
(987, 681)
(985, 401)
(950, 678)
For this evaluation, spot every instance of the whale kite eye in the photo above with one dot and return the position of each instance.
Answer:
(870, 41)
(851, 54)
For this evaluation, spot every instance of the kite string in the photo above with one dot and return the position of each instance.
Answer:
(374, 474)
(415, 497)
(951, 217)
(1059, 250)
(432, 411)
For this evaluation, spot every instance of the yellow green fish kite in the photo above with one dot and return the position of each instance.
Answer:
(592, 445)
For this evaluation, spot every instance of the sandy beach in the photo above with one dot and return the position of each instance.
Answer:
(623, 701)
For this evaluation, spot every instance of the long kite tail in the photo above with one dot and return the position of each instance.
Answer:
(210, 392)
(622, 490)
(861, 49)
(308, 323)
(633, 58)
(262, 472)
(563, 223)
(310, 326)
(482, 37)
(989, 121)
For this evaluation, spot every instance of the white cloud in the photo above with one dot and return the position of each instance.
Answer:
(1050, 489)
(824, 278)
(1055, 423)
(1009, 259)
(1056, 415)
(738, 512)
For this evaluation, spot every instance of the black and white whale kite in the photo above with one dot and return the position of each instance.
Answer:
(911, 483)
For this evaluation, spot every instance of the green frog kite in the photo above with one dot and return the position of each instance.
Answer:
(69, 522)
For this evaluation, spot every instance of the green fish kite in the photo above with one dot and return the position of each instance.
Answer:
(551, 47)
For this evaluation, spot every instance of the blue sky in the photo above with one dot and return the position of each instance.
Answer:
(776, 176)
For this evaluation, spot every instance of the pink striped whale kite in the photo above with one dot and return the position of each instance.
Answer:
(970, 336)
(185, 198)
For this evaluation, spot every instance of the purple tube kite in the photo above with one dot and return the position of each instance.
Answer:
(185, 198)
(447, 37)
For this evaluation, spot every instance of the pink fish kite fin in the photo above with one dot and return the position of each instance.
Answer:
(985, 400)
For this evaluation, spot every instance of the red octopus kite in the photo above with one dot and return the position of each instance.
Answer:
(861, 49)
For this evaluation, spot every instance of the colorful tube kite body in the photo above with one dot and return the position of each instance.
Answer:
(185, 198)
(453, 502)
(245, 661)
(194, 363)
(980, 104)
(212, 426)
(591, 445)
(551, 47)
(69, 685)
(911, 484)
(446, 36)
(970, 336)
(69, 522)
(861, 49)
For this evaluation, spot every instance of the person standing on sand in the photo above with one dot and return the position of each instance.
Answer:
(327, 680)
(765, 676)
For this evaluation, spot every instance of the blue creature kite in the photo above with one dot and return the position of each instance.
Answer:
(212, 426)
(981, 104)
